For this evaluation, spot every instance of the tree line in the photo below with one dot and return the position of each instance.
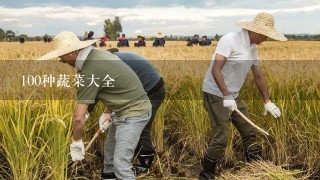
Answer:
(113, 28)
(6, 35)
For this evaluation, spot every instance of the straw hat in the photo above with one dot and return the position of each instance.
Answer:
(263, 23)
(64, 43)
(159, 35)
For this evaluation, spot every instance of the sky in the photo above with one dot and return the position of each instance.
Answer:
(146, 17)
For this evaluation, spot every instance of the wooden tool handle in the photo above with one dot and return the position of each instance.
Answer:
(250, 122)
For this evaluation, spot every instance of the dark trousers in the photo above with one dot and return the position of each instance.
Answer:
(221, 117)
(145, 146)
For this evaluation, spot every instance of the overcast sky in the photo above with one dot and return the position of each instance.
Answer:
(184, 17)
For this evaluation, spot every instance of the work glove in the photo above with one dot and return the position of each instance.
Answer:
(87, 116)
(229, 102)
(77, 150)
(272, 109)
(105, 121)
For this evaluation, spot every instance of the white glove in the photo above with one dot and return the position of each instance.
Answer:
(229, 102)
(87, 116)
(272, 109)
(77, 150)
(105, 121)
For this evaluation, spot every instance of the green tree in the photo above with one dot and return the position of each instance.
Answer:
(112, 28)
(109, 29)
(106, 29)
(117, 26)
(113, 33)
(1, 34)
(217, 37)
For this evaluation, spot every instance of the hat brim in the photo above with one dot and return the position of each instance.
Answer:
(63, 51)
(270, 32)
(159, 35)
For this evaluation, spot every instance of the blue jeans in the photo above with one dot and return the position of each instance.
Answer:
(120, 145)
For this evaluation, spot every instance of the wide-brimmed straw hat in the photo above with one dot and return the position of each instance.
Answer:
(64, 43)
(263, 23)
(159, 35)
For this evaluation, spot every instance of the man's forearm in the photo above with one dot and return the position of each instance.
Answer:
(261, 84)
(78, 124)
(218, 77)
(79, 119)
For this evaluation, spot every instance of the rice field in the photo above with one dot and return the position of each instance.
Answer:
(35, 122)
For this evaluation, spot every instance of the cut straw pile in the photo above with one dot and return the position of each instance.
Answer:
(261, 170)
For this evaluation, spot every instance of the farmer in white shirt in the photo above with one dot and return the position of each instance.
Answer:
(235, 55)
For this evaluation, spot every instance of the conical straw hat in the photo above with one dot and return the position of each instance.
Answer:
(64, 43)
(263, 23)
(159, 35)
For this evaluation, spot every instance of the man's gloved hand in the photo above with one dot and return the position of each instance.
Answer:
(105, 121)
(229, 102)
(272, 109)
(87, 115)
(77, 150)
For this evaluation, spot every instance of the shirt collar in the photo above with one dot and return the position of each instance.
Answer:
(244, 34)
(82, 56)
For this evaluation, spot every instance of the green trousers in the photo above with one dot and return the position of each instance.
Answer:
(221, 117)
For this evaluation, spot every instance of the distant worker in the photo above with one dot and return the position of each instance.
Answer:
(205, 41)
(141, 42)
(21, 39)
(103, 41)
(195, 39)
(47, 38)
(159, 41)
(90, 37)
(208, 41)
(189, 43)
(123, 41)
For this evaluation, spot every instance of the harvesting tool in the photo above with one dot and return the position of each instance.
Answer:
(250, 122)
